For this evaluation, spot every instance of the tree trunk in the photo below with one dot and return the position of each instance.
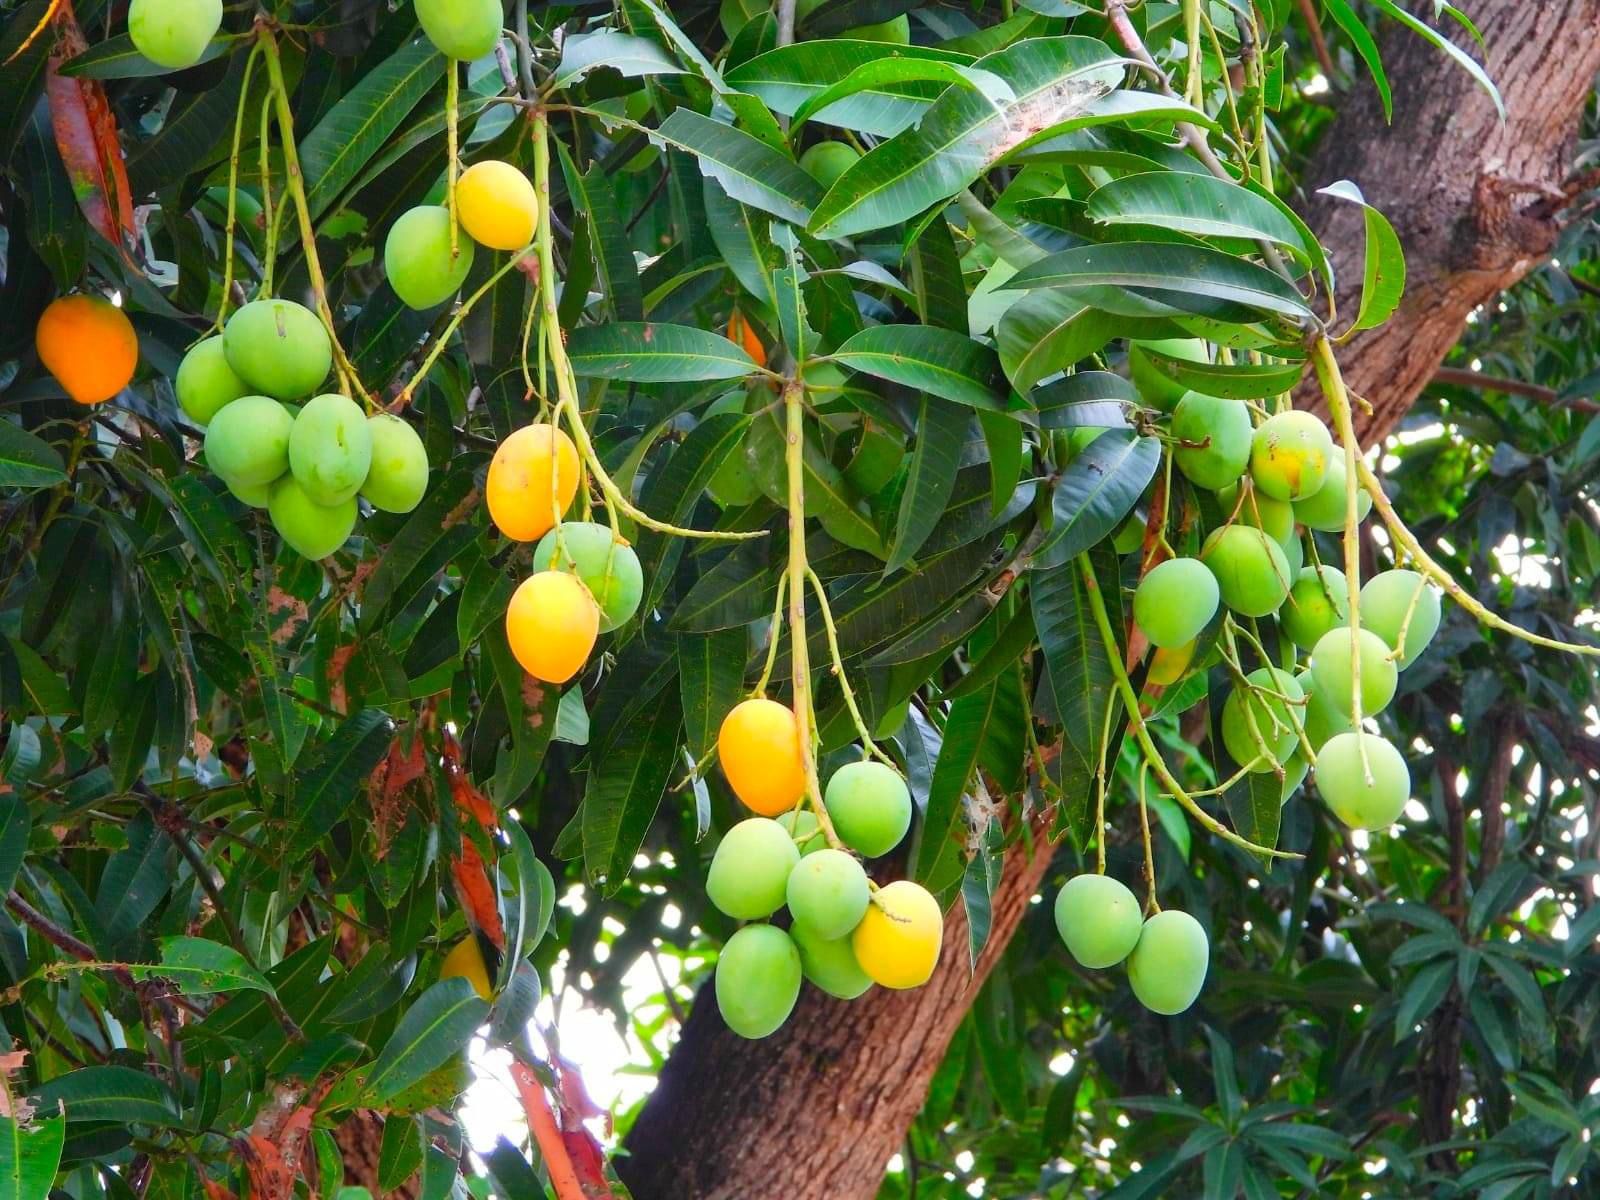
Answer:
(819, 1108)
(1477, 203)
(815, 1111)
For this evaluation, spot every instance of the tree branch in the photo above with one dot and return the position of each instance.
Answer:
(1464, 377)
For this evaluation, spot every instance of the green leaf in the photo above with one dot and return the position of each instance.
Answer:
(1384, 273)
(626, 781)
(878, 74)
(620, 52)
(978, 883)
(329, 784)
(200, 968)
(829, 496)
(1085, 398)
(1012, 642)
(675, 488)
(533, 889)
(118, 58)
(1256, 805)
(400, 1153)
(930, 477)
(742, 239)
(120, 1095)
(1096, 491)
(650, 352)
(435, 1029)
(1167, 268)
(735, 592)
(135, 881)
(27, 461)
(1234, 381)
(1049, 330)
(928, 359)
(710, 683)
(205, 523)
(789, 77)
(595, 196)
(437, 530)
(1356, 30)
(1081, 681)
(1522, 985)
(963, 134)
(1422, 996)
(748, 169)
(942, 839)
(1428, 33)
(355, 128)
(15, 825)
(29, 1157)
(1199, 204)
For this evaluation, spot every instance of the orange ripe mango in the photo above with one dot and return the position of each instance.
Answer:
(552, 623)
(89, 345)
(759, 748)
(742, 334)
(532, 480)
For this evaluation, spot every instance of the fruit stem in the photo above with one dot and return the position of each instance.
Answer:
(1435, 572)
(1289, 703)
(233, 187)
(269, 212)
(1241, 680)
(308, 234)
(868, 746)
(1332, 383)
(1151, 904)
(452, 94)
(566, 387)
(528, 390)
(1100, 788)
(772, 640)
(1404, 631)
(799, 648)
(1193, 84)
(445, 334)
(1141, 732)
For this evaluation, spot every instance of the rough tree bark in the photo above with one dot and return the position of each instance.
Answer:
(1476, 204)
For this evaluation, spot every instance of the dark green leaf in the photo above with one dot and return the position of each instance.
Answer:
(1097, 490)
(26, 461)
(626, 782)
(197, 967)
(710, 683)
(329, 784)
(1167, 268)
(748, 169)
(353, 131)
(435, 1029)
(928, 359)
(108, 1093)
(648, 352)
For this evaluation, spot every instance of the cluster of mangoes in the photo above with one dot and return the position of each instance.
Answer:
(305, 465)
(1276, 482)
(496, 208)
(845, 934)
(586, 579)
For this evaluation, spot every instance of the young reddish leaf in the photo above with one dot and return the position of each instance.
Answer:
(86, 136)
